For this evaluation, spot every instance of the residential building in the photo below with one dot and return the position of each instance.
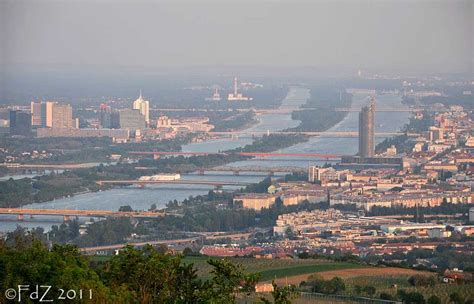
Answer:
(255, 201)
(163, 122)
(322, 175)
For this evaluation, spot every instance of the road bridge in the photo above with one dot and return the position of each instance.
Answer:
(283, 110)
(238, 170)
(172, 182)
(249, 154)
(324, 134)
(67, 213)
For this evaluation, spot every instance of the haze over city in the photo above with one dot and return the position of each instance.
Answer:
(434, 36)
(236, 151)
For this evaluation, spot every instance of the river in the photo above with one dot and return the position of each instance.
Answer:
(142, 199)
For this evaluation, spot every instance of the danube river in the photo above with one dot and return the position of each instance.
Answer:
(142, 199)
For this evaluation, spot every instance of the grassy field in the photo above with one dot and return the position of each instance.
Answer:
(274, 268)
(351, 272)
(386, 284)
(269, 268)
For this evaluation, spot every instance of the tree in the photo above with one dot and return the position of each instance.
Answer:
(386, 296)
(187, 251)
(433, 300)
(335, 285)
(62, 267)
(126, 208)
(290, 234)
(280, 295)
(411, 297)
(456, 298)
(227, 279)
(419, 280)
(149, 276)
(370, 290)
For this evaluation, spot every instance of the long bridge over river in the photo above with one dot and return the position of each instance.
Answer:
(237, 170)
(287, 110)
(250, 154)
(67, 213)
(325, 134)
(172, 182)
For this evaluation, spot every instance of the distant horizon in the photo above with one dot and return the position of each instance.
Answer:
(410, 36)
(392, 71)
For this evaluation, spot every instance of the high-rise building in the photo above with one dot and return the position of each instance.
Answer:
(115, 120)
(62, 116)
(47, 114)
(143, 106)
(131, 119)
(35, 114)
(20, 123)
(105, 116)
(366, 130)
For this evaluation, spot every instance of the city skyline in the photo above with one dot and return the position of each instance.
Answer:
(169, 151)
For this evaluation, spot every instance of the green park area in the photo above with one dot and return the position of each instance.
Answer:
(273, 268)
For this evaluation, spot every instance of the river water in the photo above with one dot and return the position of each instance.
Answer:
(142, 199)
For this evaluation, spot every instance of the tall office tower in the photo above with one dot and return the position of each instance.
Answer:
(131, 119)
(47, 114)
(62, 116)
(366, 130)
(20, 123)
(105, 116)
(115, 120)
(143, 106)
(35, 114)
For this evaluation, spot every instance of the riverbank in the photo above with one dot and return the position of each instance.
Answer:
(320, 113)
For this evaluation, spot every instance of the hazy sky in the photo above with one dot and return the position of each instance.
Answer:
(435, 35)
